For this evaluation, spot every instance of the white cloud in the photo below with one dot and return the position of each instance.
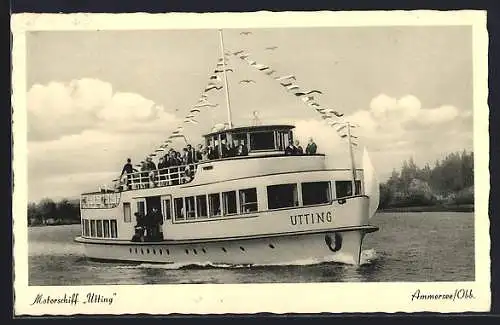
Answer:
(58, 109)
(395, 129)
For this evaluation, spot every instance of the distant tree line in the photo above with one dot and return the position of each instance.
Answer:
(48, 212)
(449, 182)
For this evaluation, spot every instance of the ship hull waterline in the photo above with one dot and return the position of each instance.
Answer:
(340, 245)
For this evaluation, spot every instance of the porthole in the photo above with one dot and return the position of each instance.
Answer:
(147, 250)
(130, 250)
(187, 252)
(223, 249)
(135, 250)
(271, 245)
(168, 252)
(204, 251)
(142, 252)
(154, 251)
(195, 252)
(242, 249)
(161, 253)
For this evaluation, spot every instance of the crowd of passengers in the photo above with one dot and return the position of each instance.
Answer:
(170, 162)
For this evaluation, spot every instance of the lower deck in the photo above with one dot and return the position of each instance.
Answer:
(317, 246)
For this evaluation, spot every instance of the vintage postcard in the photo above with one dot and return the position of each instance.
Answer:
(250, 162)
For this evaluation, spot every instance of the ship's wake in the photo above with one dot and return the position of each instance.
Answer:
(367, 258)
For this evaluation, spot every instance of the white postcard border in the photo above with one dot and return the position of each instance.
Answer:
(251, 298)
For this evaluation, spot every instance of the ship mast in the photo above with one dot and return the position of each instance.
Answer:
(353, 165)
(228, 103)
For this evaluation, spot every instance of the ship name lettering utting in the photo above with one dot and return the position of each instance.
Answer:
(311, 218)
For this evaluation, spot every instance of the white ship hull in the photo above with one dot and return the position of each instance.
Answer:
(340, 245)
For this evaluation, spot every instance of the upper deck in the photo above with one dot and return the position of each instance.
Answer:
(265, 154)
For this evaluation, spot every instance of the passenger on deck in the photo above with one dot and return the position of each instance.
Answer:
(311, 147)
(199, 153)
(150, 164)
(139, 228)
(241, 148)
(190, 155)
(290, 149)
(213, 153)
(154, 220)
(144, 174)
(128, 169)
(298, 148)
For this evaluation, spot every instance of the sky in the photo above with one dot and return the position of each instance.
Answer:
(97, 97)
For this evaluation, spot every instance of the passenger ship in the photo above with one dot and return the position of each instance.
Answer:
(262, 208)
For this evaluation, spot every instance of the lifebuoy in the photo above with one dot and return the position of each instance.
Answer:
(335, 243)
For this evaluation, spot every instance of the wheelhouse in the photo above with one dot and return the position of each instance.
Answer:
(260, 139)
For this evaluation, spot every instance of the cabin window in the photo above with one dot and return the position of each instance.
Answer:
(106, 228)
(127, 213)
(86, 227)
(214, 204)
(92, 228)
(262, 140)
(167, 210)
(141, 207)
(282, 196)
(190, 212)
(248, 200)
(99, 228)
(229, 200)
(114, 229)
(344, 188)
(315, 193)
(201, 206)
(179, 208)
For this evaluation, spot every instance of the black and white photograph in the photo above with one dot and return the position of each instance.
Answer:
(204, 152)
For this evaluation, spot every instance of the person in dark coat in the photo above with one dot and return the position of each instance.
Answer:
(290, 149)
(311, 147)
(298, 148)
(139, 228)
(154, 220)
(128, 169)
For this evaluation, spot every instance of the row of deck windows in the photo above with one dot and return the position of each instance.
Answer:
(99, 228)
(214, 204)
(245, 201)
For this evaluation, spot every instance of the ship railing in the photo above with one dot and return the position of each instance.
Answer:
(174, 175)
(100, 200)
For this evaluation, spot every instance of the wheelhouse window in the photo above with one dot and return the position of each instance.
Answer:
(92, 228)
(179, 208)
(262, 140)
(190, 212)
(99, 228)
(282, 196)
(201, 206)
(344, 188)
(229, 201)
(282, 139)
(127, 213)
(248, 200)
(214, 205)
(114, 229)
(106, 228)
(315, 193)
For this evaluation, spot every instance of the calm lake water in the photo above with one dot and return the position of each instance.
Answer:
(436, 246)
